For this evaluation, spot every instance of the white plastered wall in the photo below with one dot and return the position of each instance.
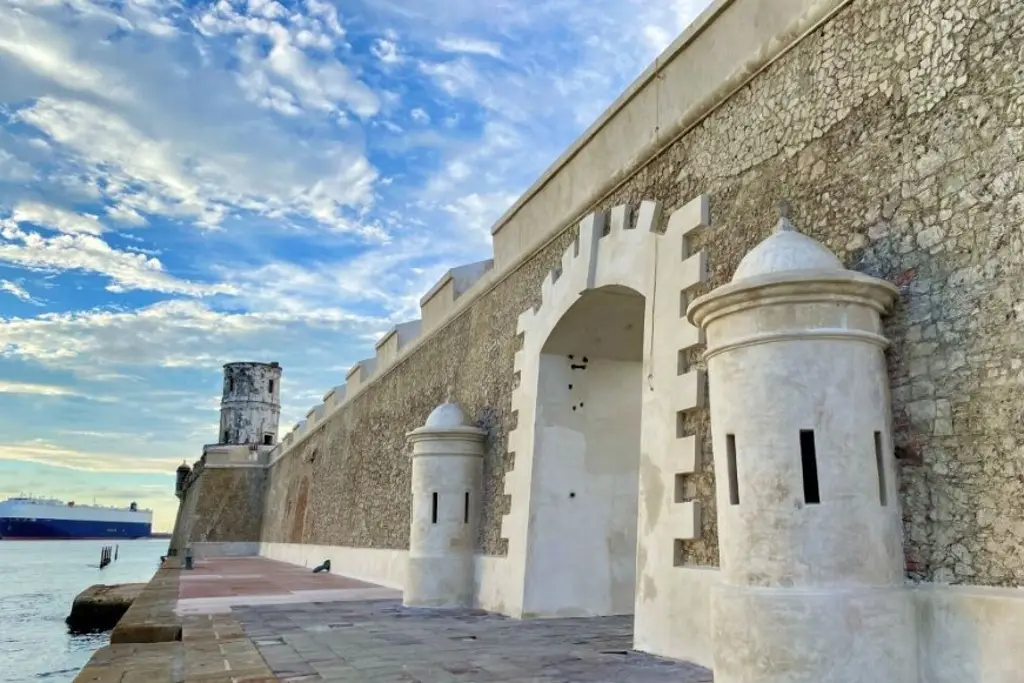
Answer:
(380, 566)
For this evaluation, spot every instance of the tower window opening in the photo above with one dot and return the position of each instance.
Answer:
(734, 480)
(268, 439)
(880, 465)
(231, 383)
(433, 510)
(227, 436)
(809, 460)
(271, 386)
(465, 510)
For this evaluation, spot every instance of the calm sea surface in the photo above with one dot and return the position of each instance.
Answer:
(38, 582)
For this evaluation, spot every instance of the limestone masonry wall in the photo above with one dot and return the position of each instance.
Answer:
(225, 504)
(896, 132)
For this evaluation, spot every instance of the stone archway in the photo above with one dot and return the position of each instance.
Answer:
(587, 458)
(617, 299)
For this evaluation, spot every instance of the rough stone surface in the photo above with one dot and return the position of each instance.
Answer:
(151, 618)
(896, 132)
(99, 607)
(382, 641)
(223, 505)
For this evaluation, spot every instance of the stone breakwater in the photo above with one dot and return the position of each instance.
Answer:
(98, 608)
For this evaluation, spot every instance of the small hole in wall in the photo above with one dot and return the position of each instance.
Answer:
(880, 465)
(574, 409)
(572, 494)
(570, 387)
(585, 359)
(433, 510)
(571, 356)
(809, 460)
(734, 481)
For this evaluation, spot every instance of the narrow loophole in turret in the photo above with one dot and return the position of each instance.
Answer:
(734, 480)
(465, 511)
(433, 508)
(809, 460)
(880, 464)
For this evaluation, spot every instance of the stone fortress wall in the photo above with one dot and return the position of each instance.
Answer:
(895, 131)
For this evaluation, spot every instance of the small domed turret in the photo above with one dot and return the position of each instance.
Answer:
(181, 474)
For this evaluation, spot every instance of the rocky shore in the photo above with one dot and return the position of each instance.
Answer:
(99, 608)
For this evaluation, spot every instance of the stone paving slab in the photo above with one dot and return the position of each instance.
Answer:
(382, 642)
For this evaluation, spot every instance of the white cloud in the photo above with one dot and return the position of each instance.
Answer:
(471, 46)
(37, 47)
(7, 387)
(386, 51)
(13, 169)
(125, 214)
(57, 218)
(171, 334)
(18, 291)
(324, 85)
(419, 116)
(46, 453)
(88, 253)
(178, 177)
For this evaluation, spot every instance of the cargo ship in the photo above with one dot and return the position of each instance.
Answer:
(38, 518)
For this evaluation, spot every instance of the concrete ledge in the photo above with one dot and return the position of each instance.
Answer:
(99, 608)
(213, 649)
(151, 617)
(135, 662)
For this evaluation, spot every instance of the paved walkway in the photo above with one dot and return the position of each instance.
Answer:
(253, 620)
(216, 585)
(383, 642)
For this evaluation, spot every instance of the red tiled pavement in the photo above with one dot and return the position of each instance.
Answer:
(241, 576)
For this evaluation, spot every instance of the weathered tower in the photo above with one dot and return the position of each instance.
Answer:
(251, 403)
(808, 515)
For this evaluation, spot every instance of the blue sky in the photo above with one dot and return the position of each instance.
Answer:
(183, 184)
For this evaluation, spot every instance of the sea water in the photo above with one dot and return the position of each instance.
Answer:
(38, 582)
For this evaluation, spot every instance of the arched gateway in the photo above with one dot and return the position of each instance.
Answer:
(594, 518)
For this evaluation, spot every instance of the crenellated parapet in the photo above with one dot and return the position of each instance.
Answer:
(443, 301)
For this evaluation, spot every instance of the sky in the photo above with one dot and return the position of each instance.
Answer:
(185, 184)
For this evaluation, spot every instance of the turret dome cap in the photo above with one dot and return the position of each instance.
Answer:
(787, 250)
(447, 416)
